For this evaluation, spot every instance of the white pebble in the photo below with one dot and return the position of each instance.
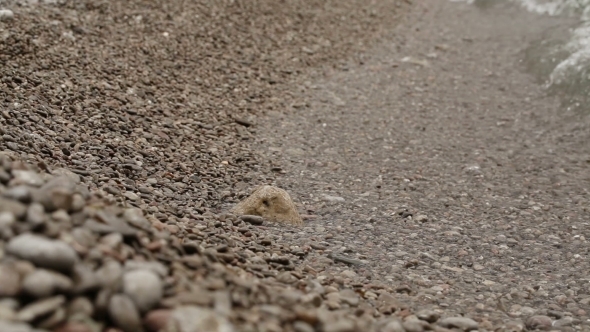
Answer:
(6, 15)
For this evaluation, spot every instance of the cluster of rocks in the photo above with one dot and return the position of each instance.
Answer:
(71, 261)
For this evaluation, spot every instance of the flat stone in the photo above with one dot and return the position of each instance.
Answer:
(136, 218)
(539, 322)
(43, 252)
(334, 199)
(254, 220)
(9, 281)
(131, 195)
(13, 326)
(44, 283)
(40, 308)
(117, 224)
(463, 323)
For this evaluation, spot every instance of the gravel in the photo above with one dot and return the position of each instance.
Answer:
(128, 130)
(456, 181)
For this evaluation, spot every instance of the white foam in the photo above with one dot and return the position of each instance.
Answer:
(577, 64)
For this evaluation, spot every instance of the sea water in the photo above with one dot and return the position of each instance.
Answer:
(560, 60)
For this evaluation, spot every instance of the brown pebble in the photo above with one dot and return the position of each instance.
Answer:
(156, 320)
(73, 327)
(173, 229)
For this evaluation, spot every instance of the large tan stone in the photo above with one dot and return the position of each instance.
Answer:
(271, 203)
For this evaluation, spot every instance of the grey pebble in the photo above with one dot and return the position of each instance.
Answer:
(334, 199)
(47, 253)
(131, 195)
(73, 177)
(109, 273)
(20, 193)
(43, 283)
(80, 306)
(300, 326)
(78, 202)
(7, 313)
(136, 218)
(85, 279)
(124, 313)
(428, 316)
(117, 224)
(196, 319)
(28, 178)
(393, 325)
(15, 327)
(254, 220)
(157, 267)
(9, 281)
(349, 297)
(36, 215)
(17, 208)
(144, 287)
(112, 190)
(7, 220)
(539, 322)
(341, 325)
(56, 194)
(40, 308)
(83, 236)
(413, 325)
(463, 323)
(563, 322)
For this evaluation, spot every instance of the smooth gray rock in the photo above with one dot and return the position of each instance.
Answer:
(43, 252)
(124, 313)
(44, 283)
(196, 319)
(144, 287)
